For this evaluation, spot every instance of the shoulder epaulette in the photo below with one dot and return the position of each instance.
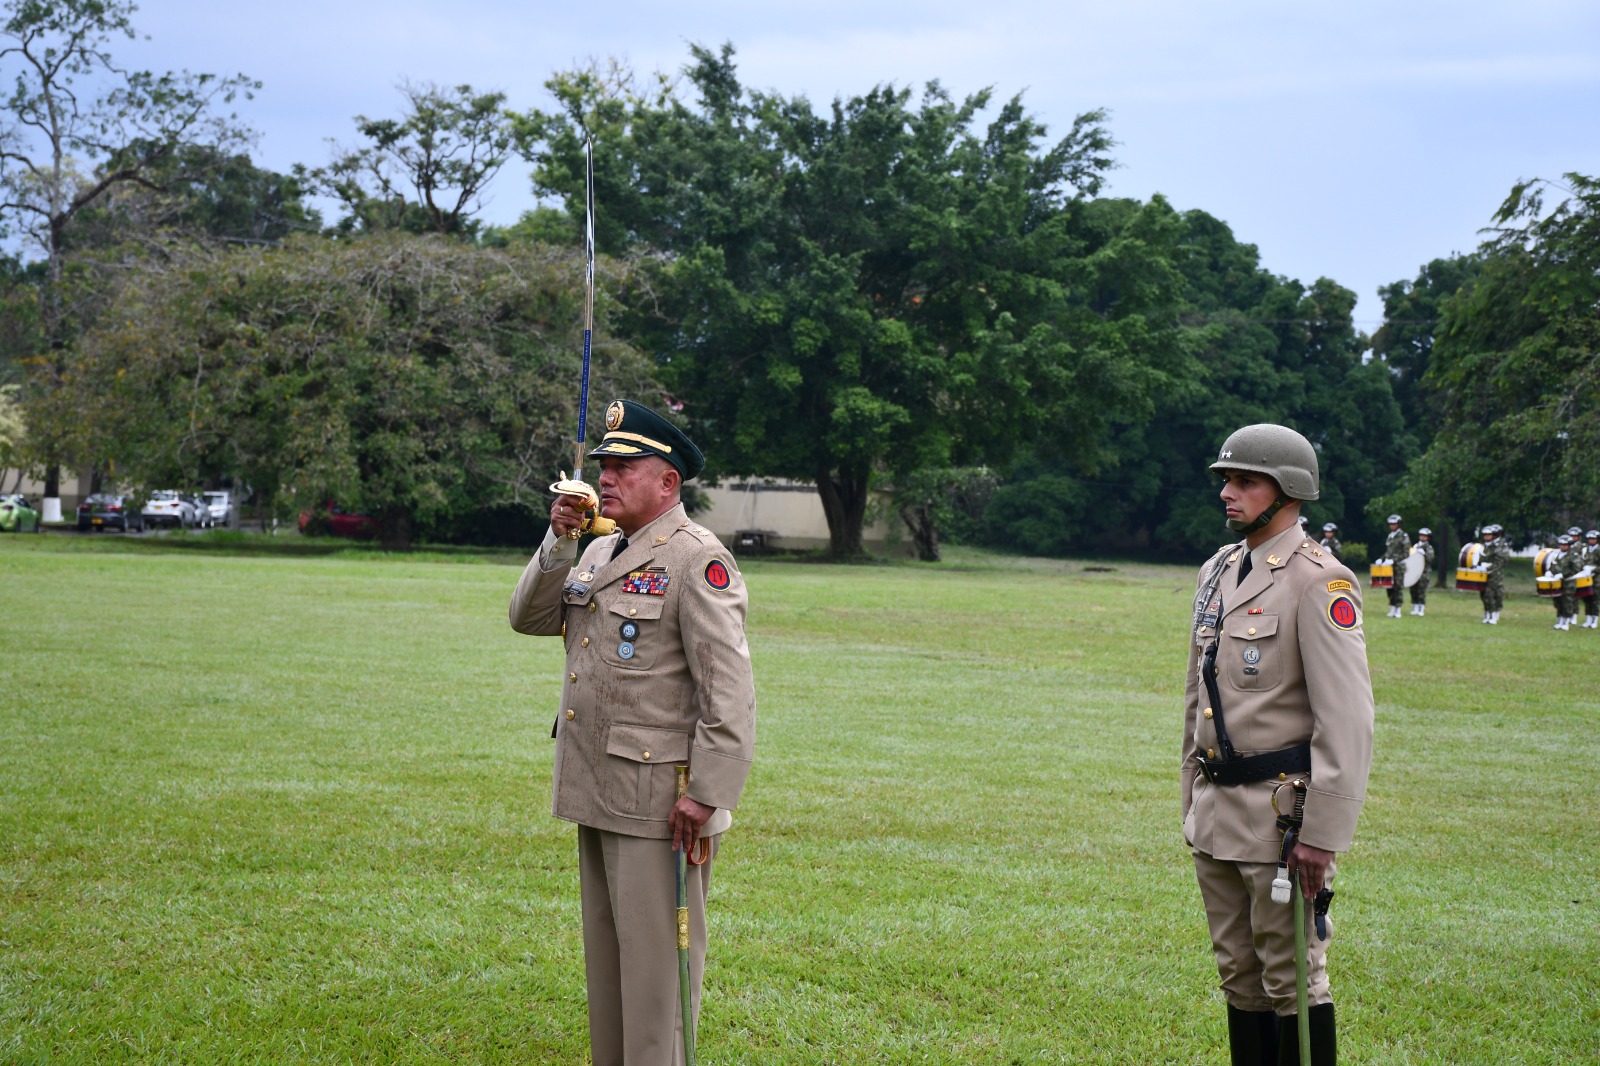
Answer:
(1315, 553)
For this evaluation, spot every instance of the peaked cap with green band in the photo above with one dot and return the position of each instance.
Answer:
(634, 431)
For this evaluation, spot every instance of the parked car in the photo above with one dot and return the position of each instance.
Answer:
(109, 510)
(17, 515)
(220, 504)
(169, 508)
(333, 520)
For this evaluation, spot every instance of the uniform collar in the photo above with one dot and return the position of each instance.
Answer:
(1264, 559)
(644, 543)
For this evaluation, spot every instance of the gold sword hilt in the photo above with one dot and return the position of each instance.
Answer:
(581, 490)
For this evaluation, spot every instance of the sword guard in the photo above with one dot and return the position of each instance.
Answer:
(581, 490)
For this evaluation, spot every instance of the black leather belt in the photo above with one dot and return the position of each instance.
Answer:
(1251, 768)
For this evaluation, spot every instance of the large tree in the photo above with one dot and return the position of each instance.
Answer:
(1412, 313)
(77, 126)
(427, 171)
(1267, 349)
(875, 287)
(417, 377)
(1516, 367)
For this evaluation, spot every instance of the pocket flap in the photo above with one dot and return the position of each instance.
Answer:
(1265, 625)
(641, 743)
(637, 606)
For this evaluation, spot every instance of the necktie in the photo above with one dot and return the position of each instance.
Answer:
(1244, 567)
(622, 546)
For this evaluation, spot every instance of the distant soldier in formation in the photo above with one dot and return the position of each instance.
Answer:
(1419, 591)
(1496, 556)
(1591, 562)
(1555, 547)
(1568, 565)
(1395, 549)
(1330, 541)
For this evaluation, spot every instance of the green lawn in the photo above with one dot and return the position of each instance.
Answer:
(272, 806)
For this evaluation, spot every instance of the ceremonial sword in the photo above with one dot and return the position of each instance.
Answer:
(575, 486)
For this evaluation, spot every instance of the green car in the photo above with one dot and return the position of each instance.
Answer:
(16, 516)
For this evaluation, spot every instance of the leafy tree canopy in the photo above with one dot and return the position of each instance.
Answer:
(874, 286)
(1516, 372)
(425, 172)
(422, 379)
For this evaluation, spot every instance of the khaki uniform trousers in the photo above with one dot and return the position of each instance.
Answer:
(1253, 937)
(630, 945)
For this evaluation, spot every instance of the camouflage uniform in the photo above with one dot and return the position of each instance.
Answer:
(1330, 543)
(1496, 556)
(1395, 549)
(1567, 566)
(1419, 591)
(1591, 559)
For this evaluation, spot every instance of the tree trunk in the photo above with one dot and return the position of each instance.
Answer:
(844, 504)
(924, 531)
(396, 523)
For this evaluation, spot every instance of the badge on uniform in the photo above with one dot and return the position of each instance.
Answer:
(580, 589)
(625, 650)
(649, 582)
(1342, 612)
(717, 575)
(1252, 655)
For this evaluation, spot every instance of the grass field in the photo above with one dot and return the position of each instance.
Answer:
(267, 807)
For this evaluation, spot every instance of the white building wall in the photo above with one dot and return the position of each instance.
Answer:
(775, 513)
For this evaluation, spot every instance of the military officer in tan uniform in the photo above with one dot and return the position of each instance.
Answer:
(1278, 693)
(657, 676)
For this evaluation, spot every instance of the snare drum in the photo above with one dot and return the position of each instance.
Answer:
(1472, 579)
(1585, 586)
(1548, 586)
(1382, 575)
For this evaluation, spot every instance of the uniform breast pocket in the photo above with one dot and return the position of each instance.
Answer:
(1252, 657)
(631, 639)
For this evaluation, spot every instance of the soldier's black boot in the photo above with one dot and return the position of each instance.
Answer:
(1322, 1039)
(1252, 1037)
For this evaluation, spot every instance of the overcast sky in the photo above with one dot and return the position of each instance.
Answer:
(1354, 141)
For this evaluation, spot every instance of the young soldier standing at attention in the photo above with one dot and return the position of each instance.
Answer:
(1330, 541)
(1395, 549)
(1496, 556)
(1278, 718)
(1419, 591)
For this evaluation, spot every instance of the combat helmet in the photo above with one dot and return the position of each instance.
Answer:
(1278, 452)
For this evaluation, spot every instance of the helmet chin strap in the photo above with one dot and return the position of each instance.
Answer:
(1261, 520)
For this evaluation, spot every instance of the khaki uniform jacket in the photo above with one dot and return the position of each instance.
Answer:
(1291, 668)
(681, 691)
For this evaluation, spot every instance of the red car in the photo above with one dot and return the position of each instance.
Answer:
(334, 521)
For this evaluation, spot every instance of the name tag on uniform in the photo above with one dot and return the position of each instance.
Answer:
(648, 582)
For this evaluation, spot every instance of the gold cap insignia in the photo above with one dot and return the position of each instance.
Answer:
(614, 414)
